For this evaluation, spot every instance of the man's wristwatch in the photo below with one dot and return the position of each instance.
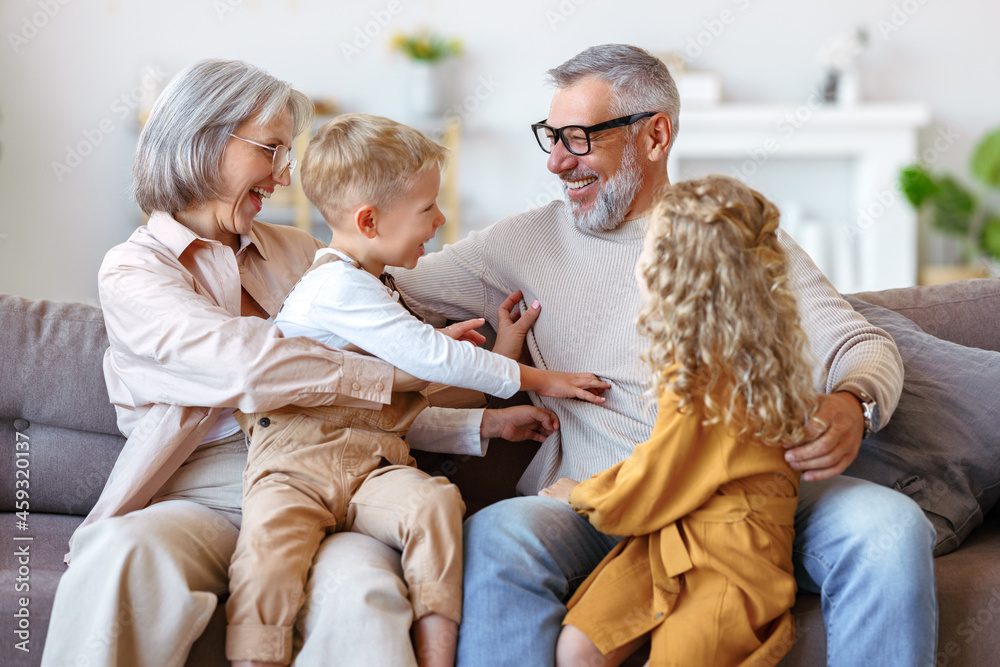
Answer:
(869, 409)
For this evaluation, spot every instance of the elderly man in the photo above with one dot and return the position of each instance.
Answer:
(611, 124)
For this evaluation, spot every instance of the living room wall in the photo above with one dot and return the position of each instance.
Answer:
(75, 73)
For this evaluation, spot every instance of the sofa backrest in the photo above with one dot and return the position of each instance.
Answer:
(54, 406)
(52, 389)
(966, 312)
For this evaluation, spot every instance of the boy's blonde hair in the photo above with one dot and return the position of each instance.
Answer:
(359, 158)
(723, 321)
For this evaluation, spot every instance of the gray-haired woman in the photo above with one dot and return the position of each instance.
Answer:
(186, 300)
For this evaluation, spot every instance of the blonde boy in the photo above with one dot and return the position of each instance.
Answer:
(313, 470)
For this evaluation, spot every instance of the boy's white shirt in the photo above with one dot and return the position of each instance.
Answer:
(338, 303)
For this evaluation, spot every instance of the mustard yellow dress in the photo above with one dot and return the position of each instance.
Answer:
(706, 564)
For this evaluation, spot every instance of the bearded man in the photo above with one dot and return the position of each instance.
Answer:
(611, 123)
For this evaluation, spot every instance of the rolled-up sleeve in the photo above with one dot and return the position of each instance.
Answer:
(449, 431)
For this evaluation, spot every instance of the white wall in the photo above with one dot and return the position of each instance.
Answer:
(62, 84)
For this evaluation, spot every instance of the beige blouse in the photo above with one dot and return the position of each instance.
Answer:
(180, 351)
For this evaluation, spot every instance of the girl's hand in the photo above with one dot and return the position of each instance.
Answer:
(560, 490)
(555, 384)
(513, 326)
(466, 331)
(517, 423)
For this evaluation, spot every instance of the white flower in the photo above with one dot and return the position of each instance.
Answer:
(842, 51)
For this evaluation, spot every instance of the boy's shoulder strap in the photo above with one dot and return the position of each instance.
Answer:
(328, 257)
(390, 282)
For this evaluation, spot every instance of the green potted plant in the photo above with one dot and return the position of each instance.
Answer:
(954, 209)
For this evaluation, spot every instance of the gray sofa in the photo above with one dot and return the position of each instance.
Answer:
(58, 434)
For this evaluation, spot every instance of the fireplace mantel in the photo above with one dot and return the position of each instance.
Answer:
(868, 241)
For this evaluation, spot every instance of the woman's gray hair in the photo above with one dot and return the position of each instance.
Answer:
(639, 80)
(179, 156)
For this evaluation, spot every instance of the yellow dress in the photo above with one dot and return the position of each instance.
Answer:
(706, 564)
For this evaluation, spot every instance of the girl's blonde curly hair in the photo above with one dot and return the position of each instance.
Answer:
(722, 319)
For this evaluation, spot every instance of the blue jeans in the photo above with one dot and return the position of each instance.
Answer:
(866, 548)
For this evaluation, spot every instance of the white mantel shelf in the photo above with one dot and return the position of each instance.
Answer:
(876, 139)
(768, 116)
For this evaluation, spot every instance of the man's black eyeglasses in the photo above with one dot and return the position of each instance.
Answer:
(576, 138)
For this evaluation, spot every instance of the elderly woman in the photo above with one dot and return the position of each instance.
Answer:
(186, 301)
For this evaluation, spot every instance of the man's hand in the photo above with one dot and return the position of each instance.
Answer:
(833, 438)
(517, 423)
(513, 326)
(466, 331)
(560, 490)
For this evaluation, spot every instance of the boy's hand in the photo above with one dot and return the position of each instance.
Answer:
(560, 490)
(555, 384)
(517, 423)
(513, 326)
(466, 331)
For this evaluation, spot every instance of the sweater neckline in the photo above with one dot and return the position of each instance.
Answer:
(630, 230)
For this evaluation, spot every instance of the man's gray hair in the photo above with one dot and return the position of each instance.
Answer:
(179, 156)
(640, 80)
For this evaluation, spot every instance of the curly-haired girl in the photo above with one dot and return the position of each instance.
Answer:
(707, 503)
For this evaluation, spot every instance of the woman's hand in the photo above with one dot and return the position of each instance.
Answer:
(513, 326)
(560, 490)
(466, 331)
(517, 423)
(403, 381)
(555, 384)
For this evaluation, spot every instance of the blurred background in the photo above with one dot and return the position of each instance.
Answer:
(818, 105)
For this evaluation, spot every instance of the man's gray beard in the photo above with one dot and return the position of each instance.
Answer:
(613, 200)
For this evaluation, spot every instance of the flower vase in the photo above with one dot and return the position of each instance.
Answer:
(423, 89)
(848, 88)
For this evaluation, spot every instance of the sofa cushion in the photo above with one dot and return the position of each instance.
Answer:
(968, 596)
(51, 356)
(942, 445)
(35, 580)
(54, 405)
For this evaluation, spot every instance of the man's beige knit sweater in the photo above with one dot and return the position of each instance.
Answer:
(586, 285)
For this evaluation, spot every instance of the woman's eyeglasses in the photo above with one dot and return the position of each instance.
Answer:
(281, 160)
